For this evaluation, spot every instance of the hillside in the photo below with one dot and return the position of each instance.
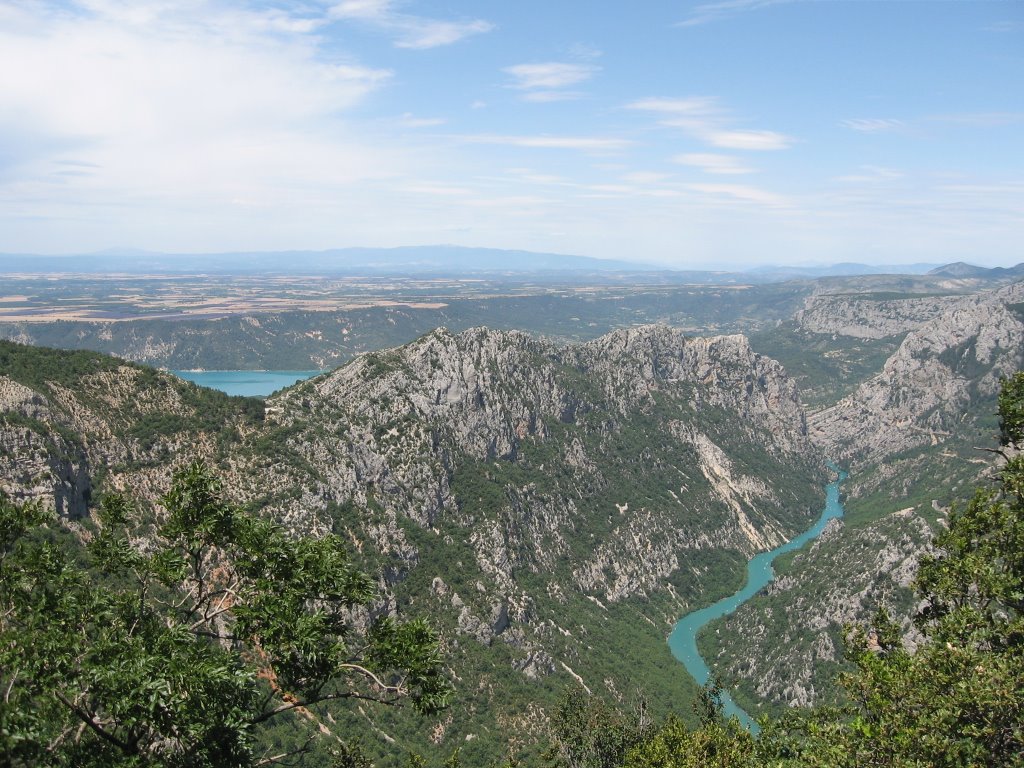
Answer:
(910, 435)
(552, 509)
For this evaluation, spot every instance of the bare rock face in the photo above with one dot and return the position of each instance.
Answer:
(865, 318)
(124, 423)
(596, 468)
(925, 387)
(39, 465)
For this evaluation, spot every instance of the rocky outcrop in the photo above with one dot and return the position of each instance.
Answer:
(940, 370)
(864, 317)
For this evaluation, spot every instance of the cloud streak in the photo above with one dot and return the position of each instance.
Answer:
(407, 30)
(709, 12)
(548, 81)
(582, 143)
(873, 124)
(713, 163)
(703, 118)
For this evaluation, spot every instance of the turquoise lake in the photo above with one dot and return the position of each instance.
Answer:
(248, 383)
(683, 640)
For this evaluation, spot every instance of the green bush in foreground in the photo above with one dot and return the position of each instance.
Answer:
(176, 655)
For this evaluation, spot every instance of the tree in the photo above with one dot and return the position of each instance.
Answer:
(176, 652)
(718, 741)
(587, 732)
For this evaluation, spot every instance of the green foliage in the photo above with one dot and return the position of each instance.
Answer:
(589, 733)
(177, 655)
(1011, 409)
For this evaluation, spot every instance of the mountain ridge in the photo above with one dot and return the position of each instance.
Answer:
(537, 501)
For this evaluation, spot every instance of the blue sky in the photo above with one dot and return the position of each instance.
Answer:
(720, 134)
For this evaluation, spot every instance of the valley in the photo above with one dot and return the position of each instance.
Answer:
(554, 500)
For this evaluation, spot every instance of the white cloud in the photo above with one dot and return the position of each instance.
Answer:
(709, 12)
(442, 190)
(742, 193)
(171, 108)
(547, 81)
(361, 9)
(699, 106)
(703, 118)
(408, 31)
(549, 75)
(750, 140)
(546, 97)
(585, 143)
(585, 52)
(872, 174)
(710, 162)
(873, 124)
(645, 177)
(409, 120)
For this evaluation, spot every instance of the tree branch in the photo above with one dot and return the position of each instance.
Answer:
(86, 718)
(290, 705)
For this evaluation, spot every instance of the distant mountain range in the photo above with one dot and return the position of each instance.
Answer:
(962, 269)
(410, 260)
(447, 260)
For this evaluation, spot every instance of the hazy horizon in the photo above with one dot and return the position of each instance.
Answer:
(694, 135)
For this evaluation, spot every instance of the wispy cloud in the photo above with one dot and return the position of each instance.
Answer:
(697, 106)
(704, 119)
(584, 143)
(873, 124)
(409, 120)
(548, 81)
(872, 174)
(742, 193)
(713, 163)
(708, 12)
(645, 178)
(440, 190)
(408, 30)
(753, 140)
(163, 108)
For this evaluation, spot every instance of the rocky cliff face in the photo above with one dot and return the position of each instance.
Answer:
(72, 421)
(933, 395)
(553, 509)
(863, 317)
(910, 436)
(785, 647)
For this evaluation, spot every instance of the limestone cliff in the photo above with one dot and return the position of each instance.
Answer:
(910, 436)
(553, 509)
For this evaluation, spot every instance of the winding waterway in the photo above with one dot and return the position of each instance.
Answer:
(683, 640)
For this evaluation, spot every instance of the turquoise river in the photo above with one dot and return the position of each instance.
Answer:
(683, 640)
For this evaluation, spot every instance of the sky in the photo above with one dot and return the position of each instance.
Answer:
(693, 135)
